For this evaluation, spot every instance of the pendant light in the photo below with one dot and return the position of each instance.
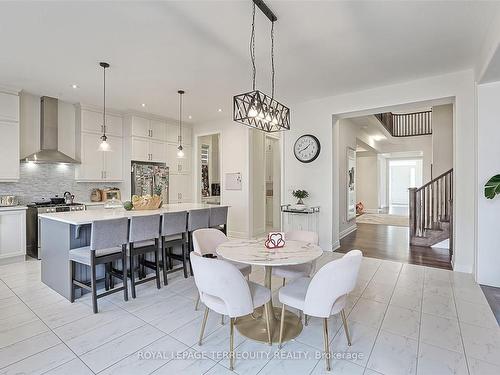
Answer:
(180, 149)
(104, 145)
(254, 108)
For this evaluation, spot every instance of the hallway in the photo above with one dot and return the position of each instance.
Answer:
(392, 243)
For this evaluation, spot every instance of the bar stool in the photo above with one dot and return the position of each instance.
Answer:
(218, 218)
(197, 219)
(173, 225)
(144, 235)
(108, 242)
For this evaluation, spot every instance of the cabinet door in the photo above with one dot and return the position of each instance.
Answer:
(172, 132)
(187, 133)
(92, 167)
(114, 125)
(140, 149)
(173, 189)
(172, 161)
(158, 130)
(12, 233)
(9, 107)
(113, 160)
(140, 127)
(9, 151)
(157, 151)
(91, 121)
(185, 162)
(180, 189)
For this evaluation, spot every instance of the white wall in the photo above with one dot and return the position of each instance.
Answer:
(442, 139)
(488, 165)
(347, 139)
(257, 182)
(367, 181)
(234, 150)
(317, 117)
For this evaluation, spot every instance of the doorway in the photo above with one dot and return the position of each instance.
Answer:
(273, 184)
(209, 167)
(403, 175)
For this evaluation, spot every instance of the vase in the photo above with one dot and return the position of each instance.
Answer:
(300, 202)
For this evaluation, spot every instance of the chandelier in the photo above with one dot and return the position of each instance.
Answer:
(254, 108)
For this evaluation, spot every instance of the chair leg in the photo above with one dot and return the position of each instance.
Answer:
(157, 265)
(72, 277)
(222, 319)
(184, 256)
(231, 345)
(282, 323)
(203, 325)
(268, 325)
(327, 345)
(197, 302)
(164, 261)
(305, 320)
(93, 282)
(132, 274)
(124, 271)
(344, 320)
(284, 281)
(106, 276)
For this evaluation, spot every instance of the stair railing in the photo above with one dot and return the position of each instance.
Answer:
(432, 204)
(407, 124)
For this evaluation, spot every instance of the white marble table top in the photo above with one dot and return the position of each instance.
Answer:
(87, 217)
(254, 252)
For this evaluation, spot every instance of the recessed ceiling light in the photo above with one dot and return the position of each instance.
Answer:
(74, 85)
(219, 110)
(190, 117)
(143, 104)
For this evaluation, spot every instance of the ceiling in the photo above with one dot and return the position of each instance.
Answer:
(155, 48)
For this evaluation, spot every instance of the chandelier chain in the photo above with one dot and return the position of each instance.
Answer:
(252, 48)
(272, 60)
(104, 103)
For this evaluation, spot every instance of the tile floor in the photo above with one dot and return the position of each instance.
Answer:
(404, 319)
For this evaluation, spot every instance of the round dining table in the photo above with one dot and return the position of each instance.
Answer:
(254, 252)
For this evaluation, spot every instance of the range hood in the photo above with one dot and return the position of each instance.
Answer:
(49, 125)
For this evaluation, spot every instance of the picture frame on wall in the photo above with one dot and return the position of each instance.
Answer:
(351, 184)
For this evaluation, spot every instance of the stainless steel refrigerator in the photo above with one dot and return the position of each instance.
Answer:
(150, 178)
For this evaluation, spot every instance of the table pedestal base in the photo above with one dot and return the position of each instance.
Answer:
(254, 327)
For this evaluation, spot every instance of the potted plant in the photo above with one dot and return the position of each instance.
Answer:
(300, 195)
(492, 187)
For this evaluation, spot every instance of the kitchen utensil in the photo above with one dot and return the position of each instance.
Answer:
(96, 195)
(8, 200)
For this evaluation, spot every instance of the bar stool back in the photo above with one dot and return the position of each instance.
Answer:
(144, 233)
(197, 219)
(173, 224)
(108, 242)
(218, 218)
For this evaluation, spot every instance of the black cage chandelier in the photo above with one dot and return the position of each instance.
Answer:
(254, 108)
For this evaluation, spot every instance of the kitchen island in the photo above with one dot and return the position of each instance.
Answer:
(63, 231)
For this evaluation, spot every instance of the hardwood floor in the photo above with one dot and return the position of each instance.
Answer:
(390, 242)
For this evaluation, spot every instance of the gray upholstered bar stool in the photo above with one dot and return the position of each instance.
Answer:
(173, 233)
(218, 218)
(108, 242)
(144, 234)
(197, 219)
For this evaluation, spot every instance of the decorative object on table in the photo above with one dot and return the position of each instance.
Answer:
(104, 145)
(8, 200)
(300, 195)
(113, 203)
(96, 195)
(233, 181)
(146, 202)
(492, 187)
(360, 208)
(109, 193)
(351, 184)
(256, 109)
(128, 205)
(275, 240)
(307, 148)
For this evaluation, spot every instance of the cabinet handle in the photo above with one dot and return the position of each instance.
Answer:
(151, 132)
(179, 167)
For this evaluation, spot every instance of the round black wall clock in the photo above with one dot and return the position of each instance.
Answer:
(306, 148)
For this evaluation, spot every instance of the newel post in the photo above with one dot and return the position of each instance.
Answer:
(412, 208)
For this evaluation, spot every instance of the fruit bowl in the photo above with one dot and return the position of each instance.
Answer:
(146, 202)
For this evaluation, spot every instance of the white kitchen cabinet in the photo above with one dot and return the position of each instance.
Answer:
(9, 107)
(157, 151)
(148, 150)
(97, 165)
(158, 130)
(113, 160)
(180, 188)
(12, 233)
(9, 151)
(91, 121)
(146, 128)
(173, 134)
(178, 165)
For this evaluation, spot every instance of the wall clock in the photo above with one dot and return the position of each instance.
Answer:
(307, 148)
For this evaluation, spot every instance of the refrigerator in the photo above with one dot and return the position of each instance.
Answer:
(149, 178)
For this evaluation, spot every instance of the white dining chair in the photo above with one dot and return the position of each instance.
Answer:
(224, 289)
(205, 243)
(323, 295)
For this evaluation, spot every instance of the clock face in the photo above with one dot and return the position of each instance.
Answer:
(306, 148)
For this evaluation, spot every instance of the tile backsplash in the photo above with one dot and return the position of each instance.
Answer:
(39, 181)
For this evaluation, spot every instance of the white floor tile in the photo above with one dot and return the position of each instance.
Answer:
(393, 355)
(362, 339)
(477, 367)
(401, 321)
(439, 305)
(338, 367)
(434, 360)
(73, 367)
(21, 332)
(188, 364)
(442, 332)
(481, 343)
(26, 348)
(294, 358)
(377, 291)
(475, 313)
(368, 312)
(407, 299)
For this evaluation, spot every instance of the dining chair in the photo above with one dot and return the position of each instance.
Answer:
(108, 243)
(323, 295)
(205, 243)
(218, 218)
(225, 290)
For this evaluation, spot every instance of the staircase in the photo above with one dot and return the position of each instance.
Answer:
(431, 211)
(407, 124)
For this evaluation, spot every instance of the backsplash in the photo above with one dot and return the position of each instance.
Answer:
(38, 181)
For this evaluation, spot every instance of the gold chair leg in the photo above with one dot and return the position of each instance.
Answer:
(282, 323)
(197, 302)
(344, 320)
(306, 320)
(327, 345)
(231, 345)
(268, 325)
(284, 281)
(203, 325)
(222, 319)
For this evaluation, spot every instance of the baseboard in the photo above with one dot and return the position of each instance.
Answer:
(236, 234)
(371, 211)
(14, 259)
(347, 231)
(336, 245)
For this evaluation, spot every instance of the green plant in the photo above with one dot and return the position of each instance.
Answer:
(300, 194)
(492, 187)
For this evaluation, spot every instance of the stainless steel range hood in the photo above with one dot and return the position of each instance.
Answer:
(49, 152)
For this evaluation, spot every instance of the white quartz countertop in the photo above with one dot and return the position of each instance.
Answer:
(87, 217)
(12, 208)
(92, 203)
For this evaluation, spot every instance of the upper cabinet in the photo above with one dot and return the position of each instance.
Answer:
(146, 128)
(9, 140)
(173, 133)
(92, 121)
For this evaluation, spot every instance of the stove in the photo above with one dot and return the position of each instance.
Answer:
(33, 224)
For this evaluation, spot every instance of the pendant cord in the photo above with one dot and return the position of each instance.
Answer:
(252, 49)
(180, 120)
(104, 110)
(272, 60)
